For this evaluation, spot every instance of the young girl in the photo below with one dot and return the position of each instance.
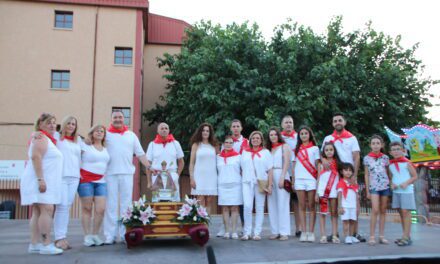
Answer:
(347, 202)
(377, 179)
(326, 191)
(304, 176)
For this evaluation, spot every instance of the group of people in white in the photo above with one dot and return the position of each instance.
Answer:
(242, 173)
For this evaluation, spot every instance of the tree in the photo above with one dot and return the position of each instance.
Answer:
(227, 73)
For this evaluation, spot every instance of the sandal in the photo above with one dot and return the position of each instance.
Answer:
(323, 240)
(335, 240)
(245, 238)
(383, 240)
(273, 237)
(404, 242)
(226, 235)
(256, 238)
(372, 241)
(284, 238)
(62, 244)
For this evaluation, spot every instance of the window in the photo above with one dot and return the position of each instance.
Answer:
(63, 19)
(60, 79)
(126, 111)
(123, 56)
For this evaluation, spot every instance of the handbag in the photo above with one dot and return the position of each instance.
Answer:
(287, 185)
(262, 184)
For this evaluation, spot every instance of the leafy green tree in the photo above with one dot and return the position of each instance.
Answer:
(232, 72)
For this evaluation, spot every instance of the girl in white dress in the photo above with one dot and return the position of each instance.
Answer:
(278, 203)
(256, 165)
(202, 167)
(69, 145)
(230, 195)
(40, 185)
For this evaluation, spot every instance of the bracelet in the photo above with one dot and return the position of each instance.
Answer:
(40, 179)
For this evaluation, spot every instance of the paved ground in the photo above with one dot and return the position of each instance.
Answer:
(14, 239)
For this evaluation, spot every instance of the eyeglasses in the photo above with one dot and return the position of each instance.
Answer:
(229, 142)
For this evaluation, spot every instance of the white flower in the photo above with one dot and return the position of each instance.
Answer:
(180, 218)
(195, 218)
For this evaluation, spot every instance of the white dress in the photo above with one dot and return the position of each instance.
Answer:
(229, 181)
(52, 165)
(205, 171)
(323, 181)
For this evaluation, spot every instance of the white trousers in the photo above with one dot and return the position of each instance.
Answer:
(119, 189)
(250, 191)
(69, 187)
(278, 204)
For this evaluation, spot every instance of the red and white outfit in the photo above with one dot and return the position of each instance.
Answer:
(229, 178)
(278, 202)
(255, 165)
(305, 167)
(345, 144)
(328, 180)
(168, 150)
(94, 164)
(70, 179)
(349, 200)
(291, 139)
(121, 146)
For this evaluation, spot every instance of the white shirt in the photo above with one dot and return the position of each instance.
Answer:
(345, 148)
(262, 165)
(349, 201)
(94, 161)
(401, 176)
(121, 149)
(229, 171)
(156, 153)
(72, 155)
(300, 171)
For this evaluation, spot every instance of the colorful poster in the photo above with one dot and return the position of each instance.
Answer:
(423, 143)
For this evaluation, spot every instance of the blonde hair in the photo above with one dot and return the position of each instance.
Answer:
(64, 123)
(89, 140)
(256, 133)
(44, 117)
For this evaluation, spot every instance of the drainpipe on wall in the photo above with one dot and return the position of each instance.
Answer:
(94, 68)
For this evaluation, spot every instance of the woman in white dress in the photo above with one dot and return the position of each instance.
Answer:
(230, 195)
(69, 145)
(92, 188)
(256, 164)
(278, 203)
(202, 167)
(40, 185)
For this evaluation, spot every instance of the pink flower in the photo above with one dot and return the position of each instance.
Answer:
(145, 217)
(190, 201)
(127, 214)
(201, 211)
(185, 210)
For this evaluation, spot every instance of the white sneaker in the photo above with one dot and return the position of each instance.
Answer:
(109, 241)
(348, 240)
(310, 237)
(88, 241)
(97, 240)
(34, 248)
(354, 240)
(234, 236)
(50, 249)
(221, 233)
(303, 237)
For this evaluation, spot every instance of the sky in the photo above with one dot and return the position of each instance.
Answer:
(415, 21)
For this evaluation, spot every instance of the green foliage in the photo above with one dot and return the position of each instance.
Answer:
(227, 73)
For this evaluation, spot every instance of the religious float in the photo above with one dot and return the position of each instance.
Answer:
(165, 216)
(422, 144)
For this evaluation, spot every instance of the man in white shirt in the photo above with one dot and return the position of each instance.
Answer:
(165, 148)
(122, 145)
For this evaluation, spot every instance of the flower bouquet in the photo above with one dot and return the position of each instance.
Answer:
(138, 214)
(192, 212)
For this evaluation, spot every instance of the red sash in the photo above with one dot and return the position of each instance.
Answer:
(87, 176)
(164, 142)
(303, 157)
(400, 160)
(226, 154)
(345, 187)
(323, 201)
(54, 141)
(344, 134)
(121, 131)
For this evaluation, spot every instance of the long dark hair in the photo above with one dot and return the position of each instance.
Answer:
(280, 138)
(376, 136)
(299, 141)
(335, 156)
(197, 136)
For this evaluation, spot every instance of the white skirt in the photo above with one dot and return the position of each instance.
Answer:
(230, 194)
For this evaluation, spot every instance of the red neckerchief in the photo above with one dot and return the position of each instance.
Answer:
(54, 141)
(237, 139)
(303, 157)
(255, 152)
(340, 137)
(244, 145)
(276, 145)
(121, 131)
(71, 138)
(375, 155)
(164, 142)
(323, 201)
(400, 160)
(345, 187)
(226, 154)
(291, 134)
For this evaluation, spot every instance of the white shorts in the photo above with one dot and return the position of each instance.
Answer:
(350, 214)
(305, 185)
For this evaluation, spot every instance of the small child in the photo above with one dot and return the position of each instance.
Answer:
(347, 200)
(326, 192)
(403, 176)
